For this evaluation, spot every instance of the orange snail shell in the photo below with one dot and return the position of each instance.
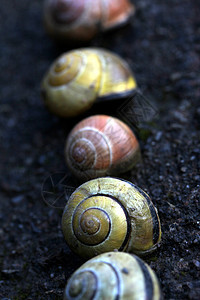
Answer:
(82, 19)
(101, 145)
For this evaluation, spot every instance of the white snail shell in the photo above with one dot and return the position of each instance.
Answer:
(80, 77)
(82, 19)
(101, 145)
(113, 275)
(108, 214)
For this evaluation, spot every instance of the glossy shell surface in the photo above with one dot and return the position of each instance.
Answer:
(101, 145)
(79, 77)
(113, 275)
(82, 19)
(108, 214)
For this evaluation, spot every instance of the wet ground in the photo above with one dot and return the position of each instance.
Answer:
(162, 46)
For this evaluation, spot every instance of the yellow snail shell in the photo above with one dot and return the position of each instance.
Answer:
(101, 145)
(82, 19)
(112, 276)
(79, 77)
(108, 214)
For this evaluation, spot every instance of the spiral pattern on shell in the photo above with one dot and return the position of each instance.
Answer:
(82, 19)
(101, 145)
(113, 276)
(79, 77)
(108, 214)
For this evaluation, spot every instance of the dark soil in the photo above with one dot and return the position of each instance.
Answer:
(162, 46)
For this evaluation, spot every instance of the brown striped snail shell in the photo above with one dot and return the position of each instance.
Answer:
(80, 77)
(101, 145)
(109, 214)
(82, 19)
(112, 276)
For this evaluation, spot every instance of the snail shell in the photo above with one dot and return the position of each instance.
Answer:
(101, 145)
(79, 77)
(83, 19)
(108, 214)
(113, 275)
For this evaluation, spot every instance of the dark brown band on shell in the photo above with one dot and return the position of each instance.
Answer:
(149, 288)
(154, 215)
(122, 95)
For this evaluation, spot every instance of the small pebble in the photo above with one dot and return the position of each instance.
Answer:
(183, 169)
(176, 76)
(180, 117)
(158, 136)
(16, 200)
(196, 263)
(193, 157)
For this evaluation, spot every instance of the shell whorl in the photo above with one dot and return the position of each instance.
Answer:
(113, 276)
(101, 145)
(79, 77)
(107, 214)
(65, 69)
(95, 218)
(89, 152)
(65, 12)
(82, 19)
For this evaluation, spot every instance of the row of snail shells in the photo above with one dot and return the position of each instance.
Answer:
(109, 214)
(111, 276)
(82, 19)
(99, 146)
(80, 77)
